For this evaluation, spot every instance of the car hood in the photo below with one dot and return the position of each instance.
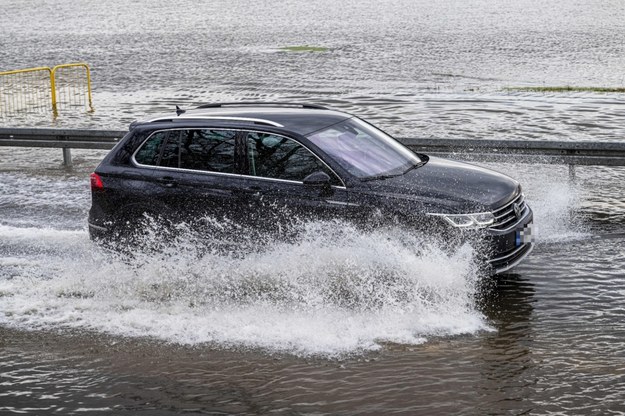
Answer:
(450, 186)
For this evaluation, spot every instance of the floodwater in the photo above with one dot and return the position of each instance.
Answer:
(339, 321)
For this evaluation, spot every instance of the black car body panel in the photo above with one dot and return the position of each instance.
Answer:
(236, 161)
(449, 186)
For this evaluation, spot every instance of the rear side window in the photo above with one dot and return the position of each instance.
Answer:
(277, 157)
(150, 152)
(196, 149)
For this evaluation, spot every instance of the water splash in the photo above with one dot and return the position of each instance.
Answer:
(335, 289)
(554, 198)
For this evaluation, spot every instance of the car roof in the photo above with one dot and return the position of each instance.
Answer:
(299, 118)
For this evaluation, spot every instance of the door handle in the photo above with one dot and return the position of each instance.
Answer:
(249, 190)
(168, 182)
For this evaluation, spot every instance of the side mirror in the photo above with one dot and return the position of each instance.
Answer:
(319, 180)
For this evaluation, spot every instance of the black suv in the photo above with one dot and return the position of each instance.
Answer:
(259, 163)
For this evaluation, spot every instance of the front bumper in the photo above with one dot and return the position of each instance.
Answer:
(509, 247)
(507, 261)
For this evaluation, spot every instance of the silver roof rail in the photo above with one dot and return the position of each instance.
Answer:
(263, 104)
(223, 118)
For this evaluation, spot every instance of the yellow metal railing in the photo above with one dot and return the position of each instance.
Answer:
(36, 89)
(25, 89)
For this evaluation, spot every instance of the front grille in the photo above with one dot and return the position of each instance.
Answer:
(508, 215)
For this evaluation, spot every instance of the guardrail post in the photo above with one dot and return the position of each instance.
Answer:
(572, 173)
(67, 156)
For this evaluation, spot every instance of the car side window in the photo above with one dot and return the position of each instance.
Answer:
(208, 150)
(278, 157)
(197, 149)
(150, 152)
(170, 155)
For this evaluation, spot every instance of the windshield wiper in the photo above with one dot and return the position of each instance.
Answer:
(392, 175)
(416, 165)
(376, 177)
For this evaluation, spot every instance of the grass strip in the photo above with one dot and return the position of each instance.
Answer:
(568, 89)
(304, 49)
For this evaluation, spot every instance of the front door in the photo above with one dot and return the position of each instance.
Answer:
(275, 193)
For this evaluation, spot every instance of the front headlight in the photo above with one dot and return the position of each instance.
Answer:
(477, 220)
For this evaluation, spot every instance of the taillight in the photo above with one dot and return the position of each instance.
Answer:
(96, 182)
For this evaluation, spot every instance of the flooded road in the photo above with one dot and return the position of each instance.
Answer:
(443, 69)
(373, 323)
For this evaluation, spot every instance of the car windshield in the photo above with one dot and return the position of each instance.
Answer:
(363, 150)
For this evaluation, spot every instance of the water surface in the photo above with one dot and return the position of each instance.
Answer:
(373, 323)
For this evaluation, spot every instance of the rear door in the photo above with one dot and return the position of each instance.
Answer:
(194, 172)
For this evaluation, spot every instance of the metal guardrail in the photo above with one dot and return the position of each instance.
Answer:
(65, 139)
(529, 151)
(561, 152)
